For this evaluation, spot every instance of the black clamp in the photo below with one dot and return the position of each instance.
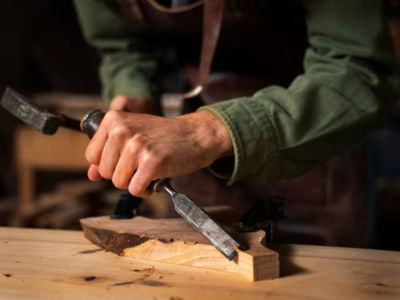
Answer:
(262, 215)
(127, 206)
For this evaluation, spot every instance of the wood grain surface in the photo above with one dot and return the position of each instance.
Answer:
(175, 241)
(54, 264)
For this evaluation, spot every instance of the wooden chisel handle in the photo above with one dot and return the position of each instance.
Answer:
(91, 122)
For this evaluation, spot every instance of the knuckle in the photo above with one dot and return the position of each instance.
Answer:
(133, 143)
(136, 143)
(111, 116)
(152, 157)
(119, 132)
(132, 151)
(148, 148)
(139, 138)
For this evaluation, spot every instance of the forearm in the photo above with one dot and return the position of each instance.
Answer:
(211, 134)
(348, 87)
(130, 58)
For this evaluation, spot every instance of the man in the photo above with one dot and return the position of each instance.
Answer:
(349, 84)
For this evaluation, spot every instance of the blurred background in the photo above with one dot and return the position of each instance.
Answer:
(44, 56)
(353, 200)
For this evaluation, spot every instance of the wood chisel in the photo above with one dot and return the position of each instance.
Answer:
(48, 122)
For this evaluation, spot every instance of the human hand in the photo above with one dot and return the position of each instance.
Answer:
(134, 149)
(127, 104)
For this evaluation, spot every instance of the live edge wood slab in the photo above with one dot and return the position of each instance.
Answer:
(175, 241)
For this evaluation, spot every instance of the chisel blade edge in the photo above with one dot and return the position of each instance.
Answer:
(202, 222)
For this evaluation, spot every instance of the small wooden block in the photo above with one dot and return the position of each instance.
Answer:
(175, 241)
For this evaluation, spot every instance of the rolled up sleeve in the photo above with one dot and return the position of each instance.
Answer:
(349, 85)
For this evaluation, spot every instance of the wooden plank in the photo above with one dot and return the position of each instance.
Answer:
(51, 264)
(175, 241)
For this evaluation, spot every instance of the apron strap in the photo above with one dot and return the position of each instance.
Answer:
(212, 20)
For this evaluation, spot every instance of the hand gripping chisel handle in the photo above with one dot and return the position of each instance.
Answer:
(48, 123)
(184, 206)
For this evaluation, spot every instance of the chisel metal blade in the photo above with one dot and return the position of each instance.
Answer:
(202, 222)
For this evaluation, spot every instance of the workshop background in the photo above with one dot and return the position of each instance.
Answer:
(353, 200)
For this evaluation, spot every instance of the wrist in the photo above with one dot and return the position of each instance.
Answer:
(209, 132)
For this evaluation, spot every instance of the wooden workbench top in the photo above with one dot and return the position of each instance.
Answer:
(37, 263)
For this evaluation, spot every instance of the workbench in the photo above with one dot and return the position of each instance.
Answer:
(40, 263)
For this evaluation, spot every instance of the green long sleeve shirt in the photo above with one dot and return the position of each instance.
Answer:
(349, 85)
(130, 55)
